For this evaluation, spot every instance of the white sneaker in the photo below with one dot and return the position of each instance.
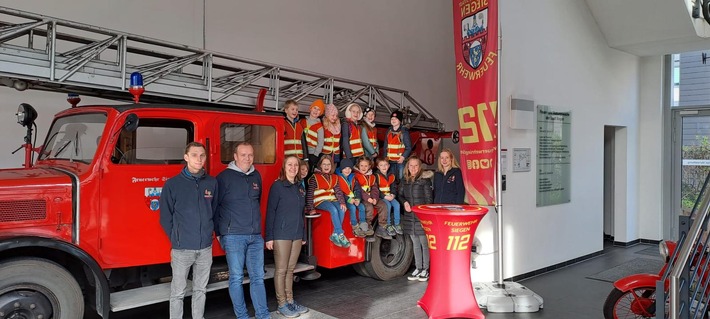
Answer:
(423, 275)
(414, 275)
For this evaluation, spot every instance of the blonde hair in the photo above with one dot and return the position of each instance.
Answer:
(454, 162)
(407, 175)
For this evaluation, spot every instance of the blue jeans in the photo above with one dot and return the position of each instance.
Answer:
(390, 205)
(336, 214)
(356, 213)
(247, 249)
(397, 169)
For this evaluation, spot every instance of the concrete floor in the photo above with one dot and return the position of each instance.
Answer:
(344, 294)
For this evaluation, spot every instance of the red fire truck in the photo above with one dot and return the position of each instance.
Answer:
(79, 225)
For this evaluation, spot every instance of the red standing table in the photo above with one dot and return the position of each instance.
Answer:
(450, 230)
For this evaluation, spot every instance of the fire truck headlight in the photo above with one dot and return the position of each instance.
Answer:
(26, 114)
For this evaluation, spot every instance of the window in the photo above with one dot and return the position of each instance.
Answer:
(74, 137)
(262, 138)
(156, 141)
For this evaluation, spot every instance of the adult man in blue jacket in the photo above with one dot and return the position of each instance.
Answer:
(239, 225)
(187, 206)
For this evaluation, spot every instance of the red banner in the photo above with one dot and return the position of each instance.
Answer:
(476, 47)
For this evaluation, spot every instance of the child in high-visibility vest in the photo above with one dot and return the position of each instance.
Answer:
(353, 200)
(388, 187)
(294, 139)
(325, 194)
(371, 197)
(313, 131)
(397, 144)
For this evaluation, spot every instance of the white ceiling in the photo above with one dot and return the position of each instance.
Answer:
(647, 27)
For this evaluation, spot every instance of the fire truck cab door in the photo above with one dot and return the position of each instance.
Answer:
(132, 181)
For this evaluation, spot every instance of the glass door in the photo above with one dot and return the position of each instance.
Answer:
(691, 159)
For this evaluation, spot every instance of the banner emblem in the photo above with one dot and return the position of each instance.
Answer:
(475, 36)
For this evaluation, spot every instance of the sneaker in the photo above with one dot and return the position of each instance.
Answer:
(414, 275)
(390, 230)
(334, 238)
(364, 226)
(369, 231)
(298, 307)
(424, 275)
(344, 242)
(357, 232)
(381, 232)
(370, 239)
(398, 229)
(288, 311)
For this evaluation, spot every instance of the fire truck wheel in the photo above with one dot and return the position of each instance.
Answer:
(360, 269)
(38, 288)
(390, 258)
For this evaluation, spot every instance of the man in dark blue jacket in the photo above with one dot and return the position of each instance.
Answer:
(187, 206)
(239, 228)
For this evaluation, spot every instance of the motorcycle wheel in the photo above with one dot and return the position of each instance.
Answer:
(635, 303)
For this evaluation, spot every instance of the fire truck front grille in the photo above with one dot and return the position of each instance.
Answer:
(21, 210)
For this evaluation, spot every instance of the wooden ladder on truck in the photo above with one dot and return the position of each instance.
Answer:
(46, 53)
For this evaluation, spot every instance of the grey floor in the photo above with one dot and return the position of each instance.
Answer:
(343, 294)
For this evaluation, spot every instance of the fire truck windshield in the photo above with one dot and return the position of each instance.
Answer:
(74, 137)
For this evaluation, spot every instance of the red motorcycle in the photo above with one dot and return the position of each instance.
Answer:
(635, 296)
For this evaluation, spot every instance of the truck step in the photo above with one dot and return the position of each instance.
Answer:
(139, 297)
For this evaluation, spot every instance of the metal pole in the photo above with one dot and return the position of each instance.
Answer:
(499, 176)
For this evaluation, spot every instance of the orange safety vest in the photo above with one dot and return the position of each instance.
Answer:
(331, 142)
(372, 136)
(292, 139)
(311, 133)
(395, 146)
(366, 181)
(325, 188)
(355, 141)
(384, 182)
(346, 187)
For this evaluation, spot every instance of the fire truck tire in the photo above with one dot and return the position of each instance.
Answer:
(389, 258)
(39, 287)
(360, 269)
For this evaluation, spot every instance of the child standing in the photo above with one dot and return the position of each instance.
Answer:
(352, 142)
(448, 181)
(369, 134)
(331, 133)
(371, 195)
(313, 130)
(294, 140)
(325, 194)
(353, 200)
(414, 190)
(398, 145)
(386, 182)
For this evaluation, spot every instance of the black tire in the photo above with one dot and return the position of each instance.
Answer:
(635, 303)
(390, 258)
(51, 289)
(360, 270)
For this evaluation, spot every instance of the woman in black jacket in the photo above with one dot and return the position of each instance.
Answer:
(415, 189)
(285, 232)
(448, 181)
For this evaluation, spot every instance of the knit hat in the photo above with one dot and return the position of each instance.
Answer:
(368, 110)
(398, 114)
(348, 115)
(331, 109)
(318, 104)
(345, 162)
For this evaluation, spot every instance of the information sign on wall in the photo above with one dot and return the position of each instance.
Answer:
(553, 156)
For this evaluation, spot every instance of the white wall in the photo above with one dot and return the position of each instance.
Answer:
(553, 52)
(651, 143)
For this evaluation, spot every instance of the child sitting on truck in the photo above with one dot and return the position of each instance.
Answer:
(351, 189)
(325, 194)
(388, 187)
(371, 196)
